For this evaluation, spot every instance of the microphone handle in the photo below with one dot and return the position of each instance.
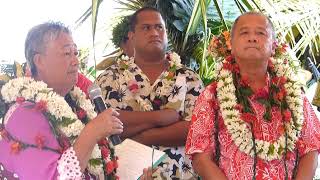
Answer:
(100, 107)
(313, 69)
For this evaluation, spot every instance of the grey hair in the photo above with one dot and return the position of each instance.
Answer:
(37, 38)
(254, 13)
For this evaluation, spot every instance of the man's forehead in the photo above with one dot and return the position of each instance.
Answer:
(256, 21)
(149, 18)
(246, 27)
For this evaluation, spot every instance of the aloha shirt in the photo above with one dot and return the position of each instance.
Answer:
(179, 93)
(236, 164)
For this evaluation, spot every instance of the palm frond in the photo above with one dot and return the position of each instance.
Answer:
(131, 5)
(86, 14)
(193, 22)
(296, 22)
(83, 17)
(220, 13)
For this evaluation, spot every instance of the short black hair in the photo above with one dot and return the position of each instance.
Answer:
(254, 13)
(134, 17)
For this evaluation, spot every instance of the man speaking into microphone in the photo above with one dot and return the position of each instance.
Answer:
(95, 96)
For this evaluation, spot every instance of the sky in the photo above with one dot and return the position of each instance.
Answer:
(17, 17)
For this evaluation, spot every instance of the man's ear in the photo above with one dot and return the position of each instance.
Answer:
(131, 35)
(38, 63)
(232, 51)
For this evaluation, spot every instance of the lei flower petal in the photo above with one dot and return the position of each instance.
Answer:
(46, 100)
(234, 120)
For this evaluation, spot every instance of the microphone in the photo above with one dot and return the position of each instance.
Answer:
(96, 97)
(313, 68)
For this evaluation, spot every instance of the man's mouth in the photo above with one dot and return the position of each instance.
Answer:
(155, 41)
(252, 47)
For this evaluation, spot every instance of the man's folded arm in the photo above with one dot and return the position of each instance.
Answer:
(171, 136)
(137, 121)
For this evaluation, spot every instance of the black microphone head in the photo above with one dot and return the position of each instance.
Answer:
(94, 91)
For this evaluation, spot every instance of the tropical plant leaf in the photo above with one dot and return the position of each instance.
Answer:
(95, 10)
(296, 22)
(131, 5)
(193, 22)
(220, 13)
(84, 17)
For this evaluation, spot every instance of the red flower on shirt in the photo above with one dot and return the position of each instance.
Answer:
(133, 86)
(248, 117)
(20, 100)
(39, 140)
(81, 113)
(105, 152)
(287, 115)
(41, 106)
(110, 167)
(15, 147)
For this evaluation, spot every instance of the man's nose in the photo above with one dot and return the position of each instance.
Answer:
(252, 38)
(75, 60)
(154, 31)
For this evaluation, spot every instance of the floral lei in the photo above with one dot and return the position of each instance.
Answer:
(61, 118)
(125, 63)
(285, 93)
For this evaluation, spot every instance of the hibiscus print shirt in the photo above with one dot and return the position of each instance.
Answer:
(234, 163)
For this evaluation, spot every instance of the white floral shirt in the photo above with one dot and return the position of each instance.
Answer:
(177, 91)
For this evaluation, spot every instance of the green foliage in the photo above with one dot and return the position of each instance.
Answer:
(207, 65)
(296, 22)
(89, 72)
(217, 27)
(83, 59)
(120, 31)
(191, 23)
(95, 162)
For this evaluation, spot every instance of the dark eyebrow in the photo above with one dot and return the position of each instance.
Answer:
(152, 24)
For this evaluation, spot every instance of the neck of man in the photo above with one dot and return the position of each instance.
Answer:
(255, 72)
(152, 61)
(152, 66)
(61, 91)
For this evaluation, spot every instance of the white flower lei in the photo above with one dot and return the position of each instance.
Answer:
(38, 91)
(238, 129)
(145, 104)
